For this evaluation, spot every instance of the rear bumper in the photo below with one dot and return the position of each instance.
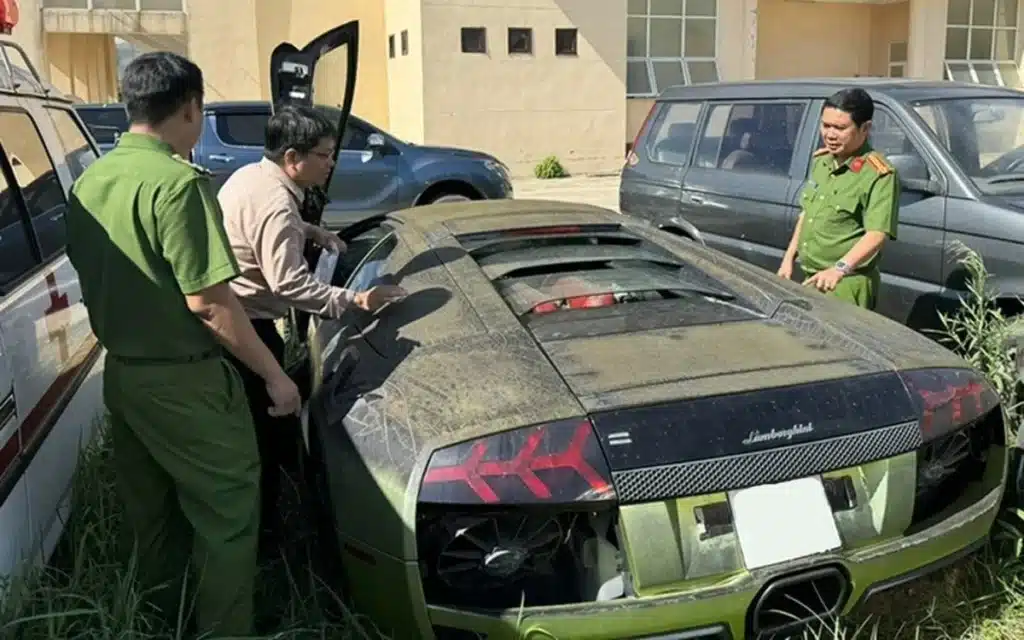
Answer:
(722, 611)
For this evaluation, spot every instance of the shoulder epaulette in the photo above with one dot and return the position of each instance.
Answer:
(878, 164)
(820, 152)
(201, 170)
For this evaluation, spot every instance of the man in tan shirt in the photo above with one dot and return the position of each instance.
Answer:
(261, 204)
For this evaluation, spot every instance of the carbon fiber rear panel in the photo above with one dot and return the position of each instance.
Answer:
(762, 467)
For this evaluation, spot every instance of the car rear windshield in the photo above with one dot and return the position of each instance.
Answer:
(104, 123)
(549, 269)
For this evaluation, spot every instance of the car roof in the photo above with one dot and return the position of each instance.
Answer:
(99, 105)
(499, 215)
(901, 89)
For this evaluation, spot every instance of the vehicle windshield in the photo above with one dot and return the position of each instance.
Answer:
(984, 136)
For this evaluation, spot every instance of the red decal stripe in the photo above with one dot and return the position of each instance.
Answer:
(18, 452)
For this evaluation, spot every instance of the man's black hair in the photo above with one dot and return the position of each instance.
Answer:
(296, 127)
(156, 84)
(854, 101)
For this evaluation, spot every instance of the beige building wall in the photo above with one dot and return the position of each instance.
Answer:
(232, 41)
(525, 107)
(405, 82)
(83, 65)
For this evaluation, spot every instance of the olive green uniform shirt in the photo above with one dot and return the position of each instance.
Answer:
(843, 201)
(145, 231)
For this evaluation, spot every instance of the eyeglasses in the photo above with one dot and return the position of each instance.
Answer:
(323, 155)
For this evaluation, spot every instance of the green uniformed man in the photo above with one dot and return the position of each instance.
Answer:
(849, 208)
(148, 242)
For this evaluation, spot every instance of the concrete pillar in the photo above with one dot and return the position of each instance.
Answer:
(926, 45)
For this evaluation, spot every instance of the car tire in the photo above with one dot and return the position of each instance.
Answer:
(450, 197)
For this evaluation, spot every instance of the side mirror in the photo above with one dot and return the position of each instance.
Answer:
(930, 186)
(376, 142)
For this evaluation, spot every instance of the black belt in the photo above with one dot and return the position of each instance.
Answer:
(141, 360)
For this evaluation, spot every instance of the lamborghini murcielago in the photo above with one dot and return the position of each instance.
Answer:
(580, 425)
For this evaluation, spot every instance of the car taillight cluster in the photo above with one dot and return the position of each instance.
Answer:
(960, 423)
(948, 399)
(556, 463)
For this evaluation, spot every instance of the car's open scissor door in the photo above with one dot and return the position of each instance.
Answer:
(322, 73)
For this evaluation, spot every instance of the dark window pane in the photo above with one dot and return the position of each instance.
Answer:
(520, 40)
(667, 73)
(77, 153)
(565, 42)
(405, 42)
(242, 129)
(956, 43)
(981, 44)
(636, 37)
(752, 137)
(702, 71)
(474, 40)
(637, 80)
(35, 174)
(104, 123)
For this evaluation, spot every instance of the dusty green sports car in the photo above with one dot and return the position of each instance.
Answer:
(580, 425)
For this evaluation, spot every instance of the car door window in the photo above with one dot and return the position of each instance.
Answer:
(674, 133)
(37, 178)
(367, 275)
(16, 257)
(355, 138)
(751, 137)
(78, 153)
(889, 137)
(244, 129)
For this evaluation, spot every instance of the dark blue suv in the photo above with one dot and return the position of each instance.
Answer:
(376, 171)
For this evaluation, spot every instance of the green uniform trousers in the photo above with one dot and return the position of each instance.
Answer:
(187, 472)
(859, 288)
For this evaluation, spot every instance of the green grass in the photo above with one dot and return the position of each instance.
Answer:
(88, 591)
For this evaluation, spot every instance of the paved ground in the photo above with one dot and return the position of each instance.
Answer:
(598, 190)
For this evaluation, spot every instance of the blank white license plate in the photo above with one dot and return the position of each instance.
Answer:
(785, 521)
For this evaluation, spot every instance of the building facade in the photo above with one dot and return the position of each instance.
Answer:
(525, 79)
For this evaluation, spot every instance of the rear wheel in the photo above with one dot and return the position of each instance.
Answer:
(449, 197)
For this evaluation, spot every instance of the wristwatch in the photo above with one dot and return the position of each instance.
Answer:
(843, 268)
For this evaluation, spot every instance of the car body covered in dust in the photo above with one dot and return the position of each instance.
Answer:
(581, 425)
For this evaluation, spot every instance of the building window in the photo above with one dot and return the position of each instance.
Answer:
(981, 42)
(405, 42)
(391, 46)
(474, 40)
(565, 42)
(670, 42)
(520, 40)
(897, 59)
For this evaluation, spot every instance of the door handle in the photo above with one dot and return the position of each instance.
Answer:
(57, 216)
(220, 157)
(697, 200)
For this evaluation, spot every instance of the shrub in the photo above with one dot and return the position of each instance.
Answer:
(549, 168)
(981, 333)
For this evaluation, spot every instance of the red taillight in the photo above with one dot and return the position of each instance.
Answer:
(577, 302)
(949, 399)
(559, 462)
